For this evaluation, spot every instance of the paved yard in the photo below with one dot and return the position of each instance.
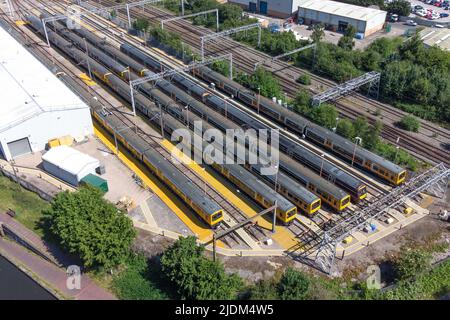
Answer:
(120, 178)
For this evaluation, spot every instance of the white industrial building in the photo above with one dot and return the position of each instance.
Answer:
(35, 105)
(69, 164)
(337, 16)
(273, 8)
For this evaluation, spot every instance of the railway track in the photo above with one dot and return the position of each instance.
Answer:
(246, 57)
(343, 167)
(257, 233)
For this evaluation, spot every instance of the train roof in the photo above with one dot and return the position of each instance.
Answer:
(166, 167)
(350, 147)
(259, 187)
(315, 159)
(294, 187)
(302, 173)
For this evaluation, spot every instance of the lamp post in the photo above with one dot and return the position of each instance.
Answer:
(337, 121)
(396, 147)
(321, 166)
(276, 178)
(357, 142)
(187, 115)
(87, 59)
(259, 97)
(204, 181)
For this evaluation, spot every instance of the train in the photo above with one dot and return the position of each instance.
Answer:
(365, 159)
(305, 200)
(206, 208)
(356, 188)
(286, 211)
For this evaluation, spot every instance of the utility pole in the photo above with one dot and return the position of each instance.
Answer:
(357, 142)
(274, 220)
(87, 58)
(321, 166)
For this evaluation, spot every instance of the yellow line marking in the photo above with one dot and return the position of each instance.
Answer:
(282, 236)
(191, 221)
(87, 80)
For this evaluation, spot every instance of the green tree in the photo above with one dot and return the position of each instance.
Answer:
(229, 12)
(410, 123)
(318, 34)
(345, 128)
(371, 137)
(400, 7)
(141, 24)
(91, 227)
(222, 66)
(325, 115)
(411, 262)
(293, 285)
(195, 276)
(346, 42)
(262, 79)
(360, 126)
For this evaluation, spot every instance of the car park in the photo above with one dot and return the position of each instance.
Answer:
(411, 23)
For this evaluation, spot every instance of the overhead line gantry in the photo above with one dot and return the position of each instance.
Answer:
(324, 243)
(228, 32)
(372, 78)
(193, 15)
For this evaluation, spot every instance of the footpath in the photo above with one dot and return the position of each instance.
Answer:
(49, 267)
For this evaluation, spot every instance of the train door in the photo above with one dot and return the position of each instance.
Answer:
(263, 7)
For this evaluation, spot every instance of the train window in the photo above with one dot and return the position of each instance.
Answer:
(345, 201)
(246, 97)
(315, 137)
(217, 216)
(229, 89)
(402, 175)
(375, 167)
(270, 112)
(315, 205)
(291, 213)
(293, 125)
(345, 153)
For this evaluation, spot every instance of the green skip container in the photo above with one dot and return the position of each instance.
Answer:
(95, 181)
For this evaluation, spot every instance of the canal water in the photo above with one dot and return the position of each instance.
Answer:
(16, 285)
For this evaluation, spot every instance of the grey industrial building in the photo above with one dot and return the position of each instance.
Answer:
(273, 8)
(337, 16)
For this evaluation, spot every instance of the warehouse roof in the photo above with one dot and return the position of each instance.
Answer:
(340, 9)
(28, 87)
(439, 37)
(69, 159)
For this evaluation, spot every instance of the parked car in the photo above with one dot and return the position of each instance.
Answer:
(421, 13)
(417, 8)
(444, 15)
(439, 26)
(411, 23)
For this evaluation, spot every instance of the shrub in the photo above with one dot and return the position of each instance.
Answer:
(411, 262)
(304, 79)
(410, 123)
(293, 285)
